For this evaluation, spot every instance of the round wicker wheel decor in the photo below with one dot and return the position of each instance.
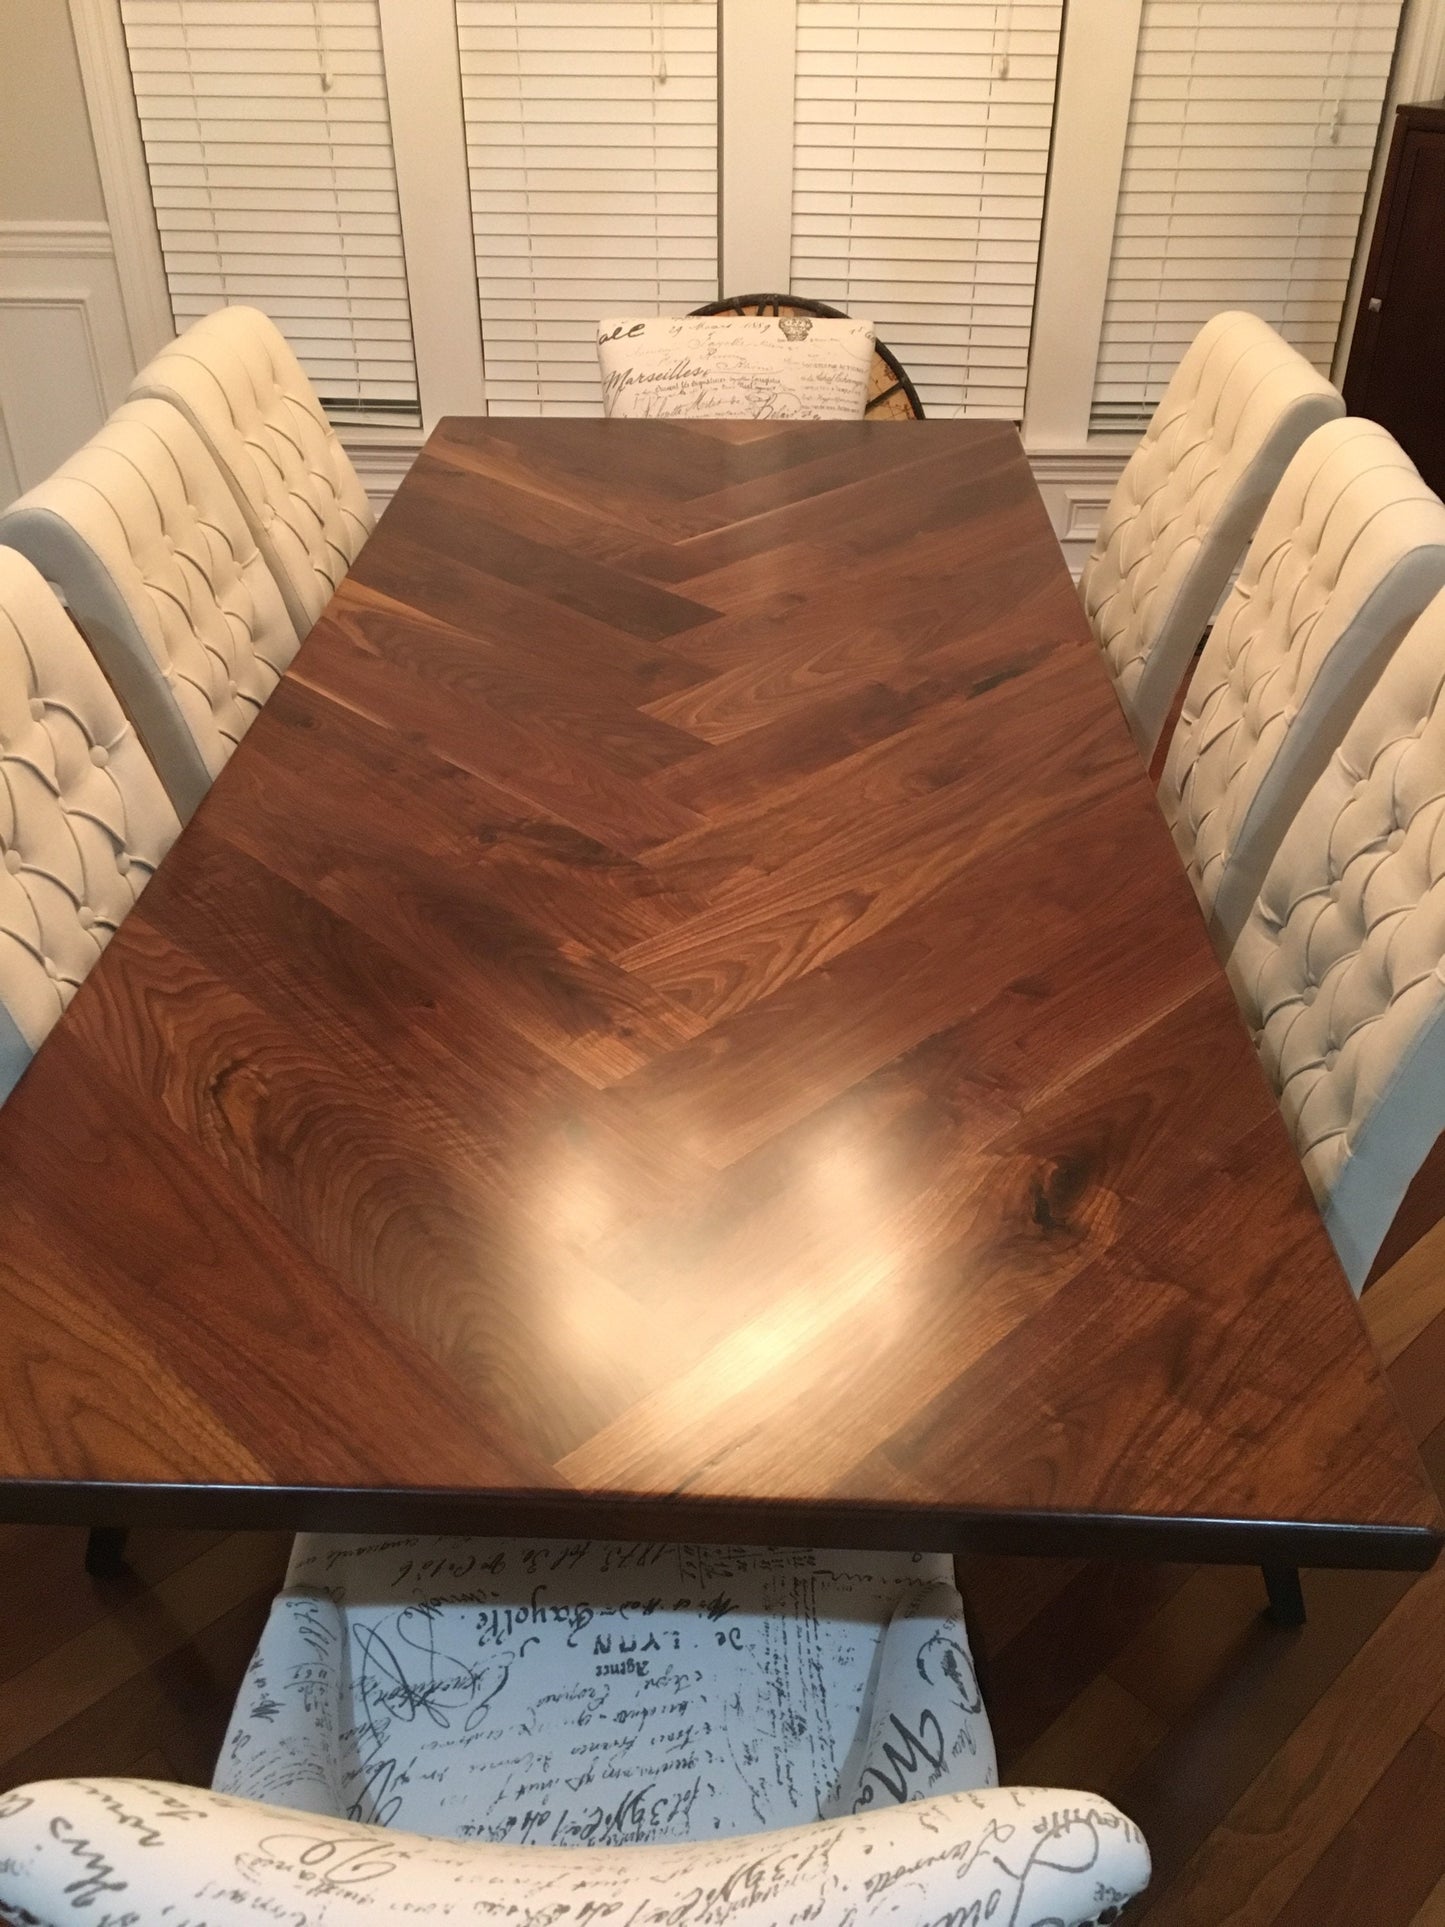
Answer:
(891, 395)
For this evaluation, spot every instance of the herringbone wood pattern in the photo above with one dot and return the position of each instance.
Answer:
(681, 1017)
(1284, 1779)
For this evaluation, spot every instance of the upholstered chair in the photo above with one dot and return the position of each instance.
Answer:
(141, 534)
(571, 1729)
(732, 367)
(1349, 552)
(83, 818)
(1340, 967)
(234, 378)
(1240, 403)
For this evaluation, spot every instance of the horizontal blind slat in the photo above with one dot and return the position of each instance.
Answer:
(1252, 131)
(921, 145)
(592, 155)
(267, 138)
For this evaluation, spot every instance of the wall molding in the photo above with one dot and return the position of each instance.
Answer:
(115, 129)
(1076, 484)
(75, 239)
(65, 348)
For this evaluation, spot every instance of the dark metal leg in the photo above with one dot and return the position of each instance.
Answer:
(1286, 1595)
(105, 1552)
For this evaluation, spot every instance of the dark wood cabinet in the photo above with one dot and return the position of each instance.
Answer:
(1396, 371)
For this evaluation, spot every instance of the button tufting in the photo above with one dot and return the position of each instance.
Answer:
(122, 862)
(100, 756)
(14, 862)
(37, 709)
(85, 916)
(52, 969)
(1394, 839)
(1331, 1059)
(1308, 994)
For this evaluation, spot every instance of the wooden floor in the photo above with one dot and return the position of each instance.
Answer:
(1281, 1777)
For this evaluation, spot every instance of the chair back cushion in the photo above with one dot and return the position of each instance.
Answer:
(618, 1694)
(83, 818)
(234, 377)
(735, 367)
(1349, 552)
(141, 534)
(1240, 403)
(1340, 968)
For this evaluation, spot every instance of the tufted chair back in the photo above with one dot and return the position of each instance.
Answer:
(1349, 552)
(234, 378)
(140, 532)
(1239, 405)
(1340, 968)
(83, 818)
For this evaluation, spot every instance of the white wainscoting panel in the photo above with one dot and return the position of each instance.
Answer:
(65, 355)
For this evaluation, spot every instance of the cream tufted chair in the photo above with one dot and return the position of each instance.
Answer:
(234, 378)
(1340, 968)
(563, 1731)
(1240, 403)
(139, 531)
(1348, 554)
(83, 819)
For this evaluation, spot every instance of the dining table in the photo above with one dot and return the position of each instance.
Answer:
(682, 1020)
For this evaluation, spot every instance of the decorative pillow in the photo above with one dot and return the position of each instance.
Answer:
(797, 368)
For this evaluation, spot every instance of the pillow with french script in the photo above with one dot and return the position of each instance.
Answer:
(791, 368)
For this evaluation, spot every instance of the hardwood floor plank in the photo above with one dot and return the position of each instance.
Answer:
(152, 1624)
(1103, 1725)
(1251, 1866)
(1410, 1296)
(1432, 1913)
(1383, 1864)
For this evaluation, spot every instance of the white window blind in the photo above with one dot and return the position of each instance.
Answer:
(269, 150)
(920, 161)
(592, 148)
(1251, 135)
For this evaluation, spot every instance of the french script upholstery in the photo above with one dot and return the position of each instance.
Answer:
(141, 534)
(1340, 967)
(689, 1691)
(664, 1733)
(787, 367)
(83, 818)
(1349, 552)
(1239, 404)
(162, 1853)
(233, 376)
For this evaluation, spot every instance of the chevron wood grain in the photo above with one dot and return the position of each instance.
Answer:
(682, 1018)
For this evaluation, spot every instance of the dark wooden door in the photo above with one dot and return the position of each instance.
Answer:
(1396, 373)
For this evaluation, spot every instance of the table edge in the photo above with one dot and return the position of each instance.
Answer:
(547, 1512)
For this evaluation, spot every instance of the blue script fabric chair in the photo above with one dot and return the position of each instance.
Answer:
(485, 1727)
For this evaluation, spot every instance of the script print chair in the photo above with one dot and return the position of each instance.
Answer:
(1340, 968)
(1238, 406)
(234, 378)
(83, 818)
(570, 1730)
(891, 395)
(140, 533)
(1349, 552)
